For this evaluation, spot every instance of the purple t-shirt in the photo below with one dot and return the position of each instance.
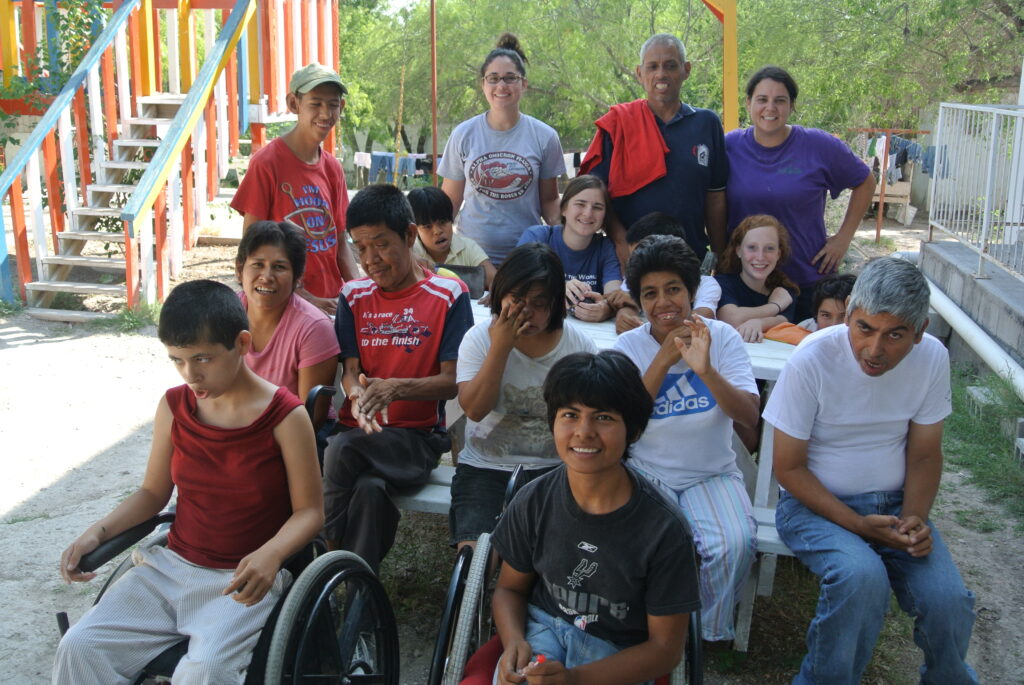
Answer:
(595, 265)
(789, 182)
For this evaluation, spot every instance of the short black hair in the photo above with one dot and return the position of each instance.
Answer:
(655, 223)
(607, 380)
(528, 265)
(775, 74)
(832, 287)
(663, 253)
(283, 234)
(377, 204)
(430, 205)
(199, 312)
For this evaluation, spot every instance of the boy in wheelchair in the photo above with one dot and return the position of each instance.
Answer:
(242, 454)
(598, 572)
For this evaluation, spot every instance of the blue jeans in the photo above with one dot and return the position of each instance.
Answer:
(855, 578)
(562, 641)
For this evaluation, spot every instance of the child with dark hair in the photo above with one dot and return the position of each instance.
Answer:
(293, 342)
(501, 369)
(438, 243)
(705, 302)
(578, 584)
(226, 432)
(295, 179)
(592, 270)
(399, 330)
(829, 303)
(700, 377)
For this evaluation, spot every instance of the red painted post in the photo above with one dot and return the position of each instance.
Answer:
(82, 140)
(131, 280)
(258, 133)
(54, 194)
(160, 221)
(289, 40)
(29, 41)
(269, 39)
(187, 198)
(109, 99)
(307, 49)
(20, 229)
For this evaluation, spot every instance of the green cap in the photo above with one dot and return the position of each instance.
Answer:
(312, 75)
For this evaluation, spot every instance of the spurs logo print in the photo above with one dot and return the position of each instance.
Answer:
(587, 547)
(582, 571)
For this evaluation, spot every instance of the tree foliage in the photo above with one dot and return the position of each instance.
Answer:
(858, 62)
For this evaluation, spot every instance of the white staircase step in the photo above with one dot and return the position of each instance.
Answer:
(116, 164)
(102, 236)
(76, 288)
(97, 211)
(99, 263)
(161, 99)
(149, 121)
(110, 188)
(136, 142)
(69, 315)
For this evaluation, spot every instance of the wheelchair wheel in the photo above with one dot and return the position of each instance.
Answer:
(690, 670)
(471, 629)
(446, 629)
(336, 625)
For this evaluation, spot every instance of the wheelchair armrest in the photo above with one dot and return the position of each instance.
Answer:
(314, 394)
(111, 548)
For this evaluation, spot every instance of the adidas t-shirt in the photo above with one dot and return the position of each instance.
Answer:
(689, 437)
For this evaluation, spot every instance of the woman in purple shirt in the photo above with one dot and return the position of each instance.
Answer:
(785, 170)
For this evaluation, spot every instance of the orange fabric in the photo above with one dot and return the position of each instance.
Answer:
(638, 150)
(787, 333)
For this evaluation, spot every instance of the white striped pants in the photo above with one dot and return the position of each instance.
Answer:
(725, 533)
(149, 609)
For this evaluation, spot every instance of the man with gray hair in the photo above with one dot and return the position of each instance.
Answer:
(659, 154)
(858, 413)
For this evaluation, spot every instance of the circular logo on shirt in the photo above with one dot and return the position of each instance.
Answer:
(501, 175)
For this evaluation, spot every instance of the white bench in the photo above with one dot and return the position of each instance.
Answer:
(432, 498)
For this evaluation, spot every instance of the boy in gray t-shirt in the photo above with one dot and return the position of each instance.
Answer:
(577, 584)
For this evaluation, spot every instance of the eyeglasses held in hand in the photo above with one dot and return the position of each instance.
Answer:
(509, 79)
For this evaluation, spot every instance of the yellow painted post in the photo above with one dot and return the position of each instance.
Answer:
(8, 41)
(147, 42)
(725, 10)
(186, 44)
(252, 35)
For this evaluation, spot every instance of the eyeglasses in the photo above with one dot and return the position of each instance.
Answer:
(509, 79)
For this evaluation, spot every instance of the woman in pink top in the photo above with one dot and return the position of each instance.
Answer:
(293, 342)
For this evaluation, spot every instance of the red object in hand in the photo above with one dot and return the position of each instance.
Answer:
(541, 659)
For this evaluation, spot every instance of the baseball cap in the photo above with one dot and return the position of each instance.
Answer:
(312, 75)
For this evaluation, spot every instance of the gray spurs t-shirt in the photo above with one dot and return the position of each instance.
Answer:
(502, 170)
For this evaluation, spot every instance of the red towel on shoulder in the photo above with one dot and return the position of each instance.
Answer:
(638, 150)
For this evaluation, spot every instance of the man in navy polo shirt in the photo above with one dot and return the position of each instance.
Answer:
(682, 174)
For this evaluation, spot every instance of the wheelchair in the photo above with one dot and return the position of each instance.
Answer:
(466, 624)
(333, 624)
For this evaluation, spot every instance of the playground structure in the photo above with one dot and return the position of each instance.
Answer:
(137, 141)
(135, 144)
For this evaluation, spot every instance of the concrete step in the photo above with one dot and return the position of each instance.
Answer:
(76, 288)
(98, 263)
(68, 315)
(101, 236)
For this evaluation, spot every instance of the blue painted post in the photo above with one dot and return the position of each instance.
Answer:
(52, 40)
(6, 289)
(242, 50)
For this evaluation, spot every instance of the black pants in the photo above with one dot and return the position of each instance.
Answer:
(360, 472)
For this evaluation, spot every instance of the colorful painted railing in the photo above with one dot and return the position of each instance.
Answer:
(69, 103)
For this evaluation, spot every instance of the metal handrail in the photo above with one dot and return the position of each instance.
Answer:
(67, 93)
(185, 120)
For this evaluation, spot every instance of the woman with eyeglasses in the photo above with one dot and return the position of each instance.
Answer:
(502, 167)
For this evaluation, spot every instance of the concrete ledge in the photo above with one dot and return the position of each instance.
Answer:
(996, 303)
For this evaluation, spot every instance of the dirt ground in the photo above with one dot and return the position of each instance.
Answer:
(77, 405)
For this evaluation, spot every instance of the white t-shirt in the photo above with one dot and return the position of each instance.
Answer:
(502, 171)
(708, 293)
(856, 425)
(689, 437)
(516, 431)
